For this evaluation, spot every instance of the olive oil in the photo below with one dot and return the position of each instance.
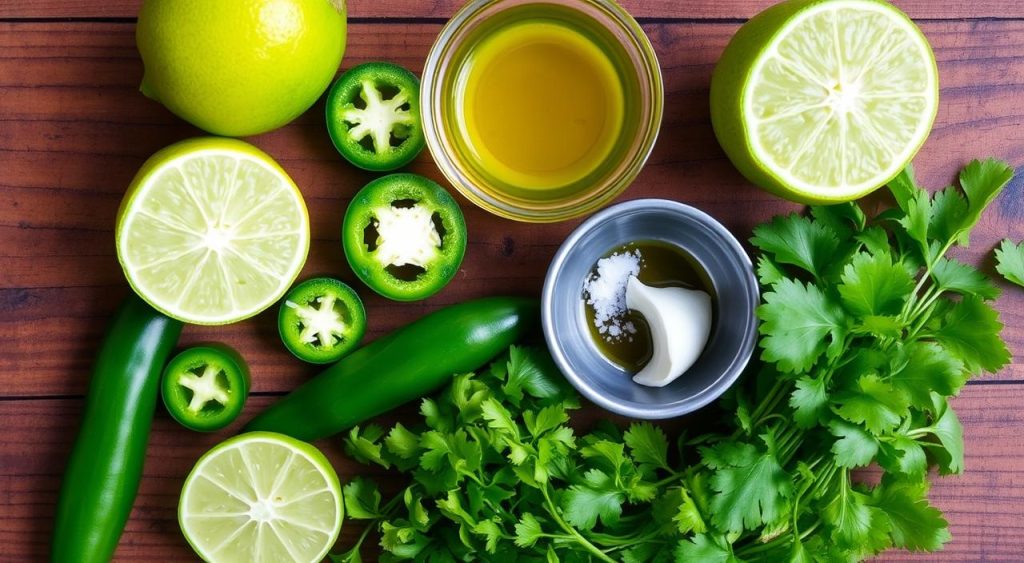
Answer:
(661, 265)
(543, 104)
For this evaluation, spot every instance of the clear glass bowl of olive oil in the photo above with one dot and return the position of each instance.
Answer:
(541, 111)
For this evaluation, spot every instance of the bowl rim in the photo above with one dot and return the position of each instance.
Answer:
(635, 409)
(453, 169)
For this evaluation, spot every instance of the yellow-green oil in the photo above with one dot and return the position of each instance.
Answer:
(541, 104)
(661, 265)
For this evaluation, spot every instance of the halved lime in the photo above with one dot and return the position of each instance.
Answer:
(212, 231)
(823, 101)
(261, 497)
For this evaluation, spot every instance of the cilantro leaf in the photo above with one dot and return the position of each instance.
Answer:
(1010, 261)
(491, 533)
(499, 418)
(528, 530)
(647, 552)
(914, 524)
(404, 541)
(809, 401)
(855, 446)
(873, 285)
(901, 454)
(768, 272)
(688, 517)
(797, 319)
(648, 445)
(946, 217)
(874, 239)
(752, 490)
(796, 240)
(597, 498)
(350, 556)
(548, 418)
(852, 521)
(874, 403)
(401, 442)
(923, 367)
(843, 219)
(950, 433)
(881, 326)
(610, 455)
(364, 447)
(982, 181)
(799, 553)
(528, 371)
(904, 187)
(970, 330)
(417, 514)
(916, 221)
(957, 277)
(362, 499)
(706, 549)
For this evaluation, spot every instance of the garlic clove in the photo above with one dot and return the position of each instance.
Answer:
(680, 323)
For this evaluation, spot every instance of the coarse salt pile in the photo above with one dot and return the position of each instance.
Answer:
(605, 291)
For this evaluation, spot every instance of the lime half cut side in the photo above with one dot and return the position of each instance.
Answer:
(212, 231)
(834, 99)
(261, 498)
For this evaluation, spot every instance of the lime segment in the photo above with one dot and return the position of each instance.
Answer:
(261, 497)
(212, 231)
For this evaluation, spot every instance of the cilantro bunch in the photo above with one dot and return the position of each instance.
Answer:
(868, 328)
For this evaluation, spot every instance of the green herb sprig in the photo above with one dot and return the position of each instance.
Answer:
(867, 329)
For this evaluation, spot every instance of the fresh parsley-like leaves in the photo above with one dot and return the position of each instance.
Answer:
(800, 323)
(867, 331)
(796, 240)
(1010, 261)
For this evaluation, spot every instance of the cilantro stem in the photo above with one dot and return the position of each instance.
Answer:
(913, 302)
(553, 511)
(767, 405)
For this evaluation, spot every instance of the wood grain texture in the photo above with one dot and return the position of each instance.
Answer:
(659, 9)
(985, 506)
(73, 129)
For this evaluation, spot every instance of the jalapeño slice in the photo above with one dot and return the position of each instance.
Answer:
(373, 116)
(404, 236)
(321, 320)
(205, 387)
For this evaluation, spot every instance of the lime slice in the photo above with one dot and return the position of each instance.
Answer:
(823, 101)
(261, 497)
(212, 231)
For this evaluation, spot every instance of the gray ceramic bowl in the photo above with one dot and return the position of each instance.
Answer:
(734, 331)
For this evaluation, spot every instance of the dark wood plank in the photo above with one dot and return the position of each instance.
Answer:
(75, 129)
(700, 9)
(985, 505)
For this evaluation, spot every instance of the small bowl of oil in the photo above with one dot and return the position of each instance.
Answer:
(674, 245)
(541, 110)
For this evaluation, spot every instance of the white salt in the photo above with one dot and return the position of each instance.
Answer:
(605, 291)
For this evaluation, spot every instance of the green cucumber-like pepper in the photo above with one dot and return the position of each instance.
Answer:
(405, 365)
(103, 473)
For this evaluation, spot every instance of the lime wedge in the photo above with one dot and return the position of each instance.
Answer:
(261, 497)
(823, 101)
(212, 231)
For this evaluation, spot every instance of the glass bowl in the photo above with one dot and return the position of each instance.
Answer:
(627, 47)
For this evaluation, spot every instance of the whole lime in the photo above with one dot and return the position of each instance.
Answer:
(239, 67)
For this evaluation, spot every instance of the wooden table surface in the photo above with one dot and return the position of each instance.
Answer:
(74, 128)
